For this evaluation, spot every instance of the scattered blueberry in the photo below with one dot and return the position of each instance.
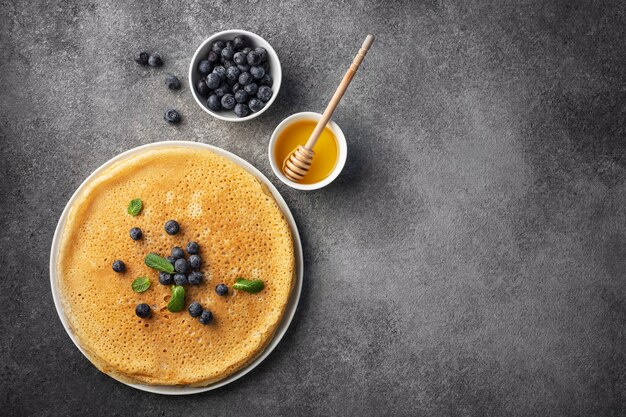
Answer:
(195, 309)
(213, 57)
(181, 265)
(267, 80)
(213, 103)
(239, 42)
(180, 279)
(245, 78)
(264, 93)
(241, 96)
(155, 60)
(142, 58)
(206, 317)
(242, 110)
(205, 67)
(202, 88)
(172, 116)
(228, 52)
(143, 310)
(218, 46)
(172, 227)
(232, 73)
(213, 80)
(192, 248)
(253, 58)
(228, 101)
(221, 289)
(119, 266)
(172, 82)
(195, 261)
(135, 233)
(251, 89)
(177, 252)
(165, 278)
(221, 71)
(195, 278)
(257, 72)
(255, 105)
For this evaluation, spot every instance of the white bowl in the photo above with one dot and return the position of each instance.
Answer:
(341, 142)
(293, 298)
(254, 41)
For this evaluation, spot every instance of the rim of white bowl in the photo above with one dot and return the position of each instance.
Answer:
(293, 298)
(277, 73)
(341, 142)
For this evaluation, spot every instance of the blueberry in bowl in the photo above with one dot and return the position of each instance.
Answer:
(227, 72)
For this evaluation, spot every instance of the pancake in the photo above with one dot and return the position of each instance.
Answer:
(241, 232)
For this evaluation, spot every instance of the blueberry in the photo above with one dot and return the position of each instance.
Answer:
(192, 248)
(240, 58)
(119, 266)
(267, 80)
(181, 265)
(177, 252)
(228, 101)
(172, 82)
(255, 105)
(244, 67)
(236, 87)
(195, 278)
(213, 80)
(195, 261)
(253, 58)
(195, 309)
(155, 60)
(172, 116)
(218, 46)
(222, 89)
(251, 89)
(142, 58)
(205, 67)
(246, 50)
(202, 88)
(257, 72)
(245, 78)
(232, 73)
(239, 42)
(213, 57)
(264, 93)
(213, 103)
(228, 53)
(230, 44)
(242, 110)
(266, 66)
(143, 310)
(227, 64)
(171, 259)
(221, 71)
(135, 233)
(206, 317)
(165, 278)
(261, 52)
(221, 289)
(180, 279)
(231, 82)
(172, 227)
(241, 96)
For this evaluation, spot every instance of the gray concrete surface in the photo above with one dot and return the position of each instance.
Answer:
(471, 258)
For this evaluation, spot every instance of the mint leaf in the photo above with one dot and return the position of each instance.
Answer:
(251, 286)
(141, 284)
(177, 302)
(135, 206)
(160, 264)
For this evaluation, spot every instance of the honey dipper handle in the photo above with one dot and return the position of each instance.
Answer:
(343, 86)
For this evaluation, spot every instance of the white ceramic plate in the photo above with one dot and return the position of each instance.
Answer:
(295, 293)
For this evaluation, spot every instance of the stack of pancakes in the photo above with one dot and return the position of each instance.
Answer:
(242, 233)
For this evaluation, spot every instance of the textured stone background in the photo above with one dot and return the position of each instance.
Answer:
(471, 258)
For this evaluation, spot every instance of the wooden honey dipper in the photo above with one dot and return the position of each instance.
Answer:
(299, 162)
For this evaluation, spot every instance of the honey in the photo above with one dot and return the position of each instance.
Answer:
(326, 149)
